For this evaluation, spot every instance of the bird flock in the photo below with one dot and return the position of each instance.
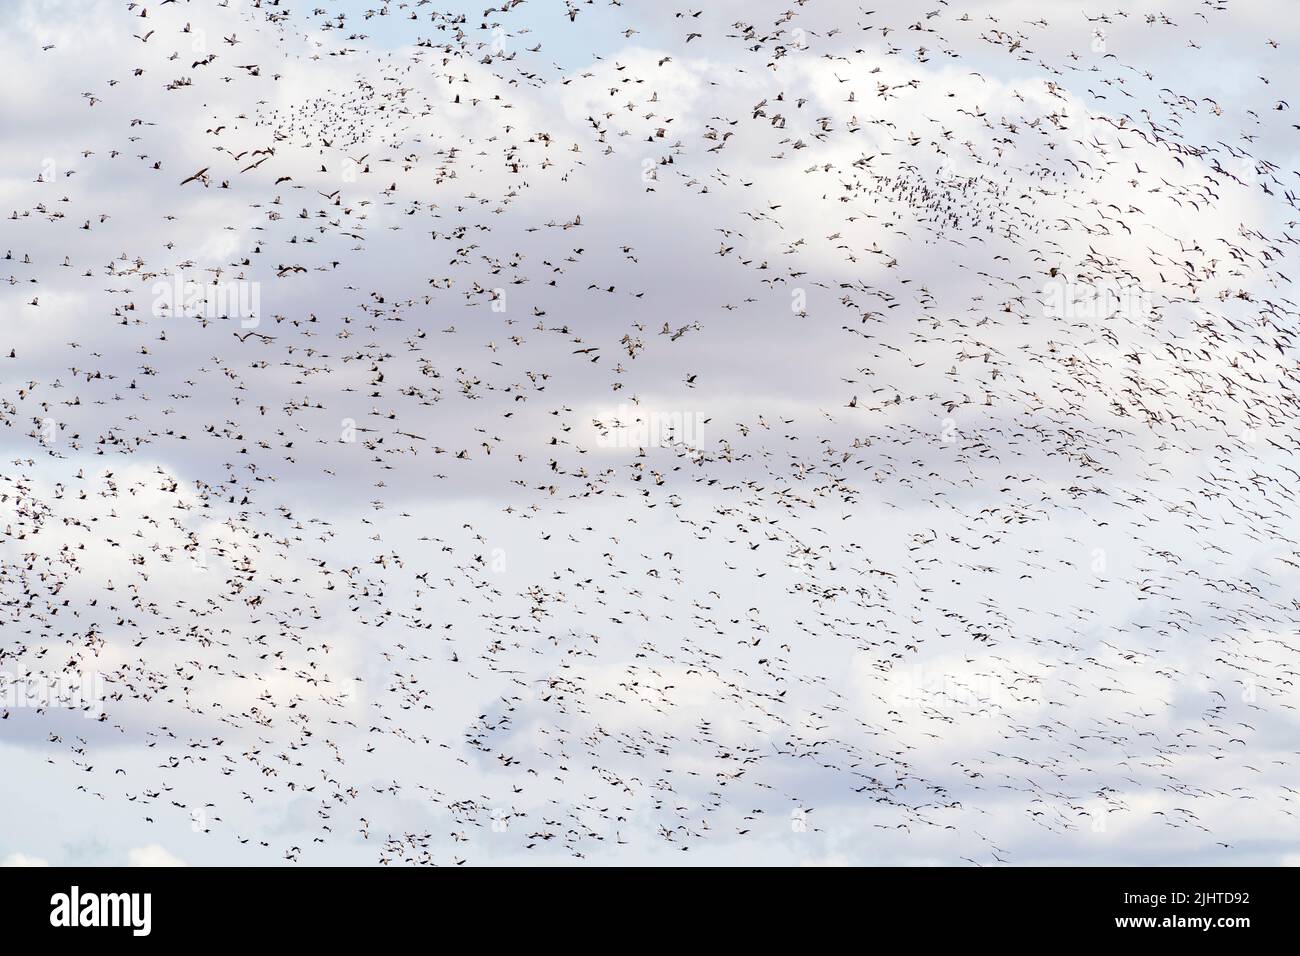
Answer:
(790, 431)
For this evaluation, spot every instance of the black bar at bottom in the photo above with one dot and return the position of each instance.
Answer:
(340, 906)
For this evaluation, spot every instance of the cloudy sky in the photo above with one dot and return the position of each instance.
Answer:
(753, 433)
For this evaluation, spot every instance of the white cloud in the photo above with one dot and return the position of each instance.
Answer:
(152, 855)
